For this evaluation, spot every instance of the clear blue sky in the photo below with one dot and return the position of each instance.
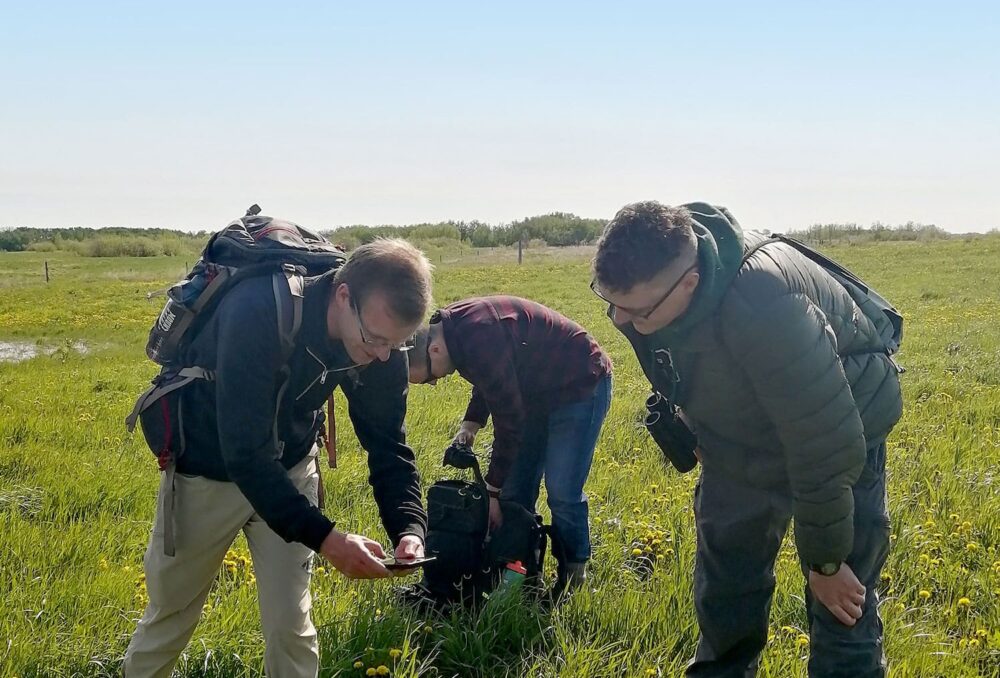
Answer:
(790, 113)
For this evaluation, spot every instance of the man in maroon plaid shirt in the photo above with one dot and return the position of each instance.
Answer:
(547, 384)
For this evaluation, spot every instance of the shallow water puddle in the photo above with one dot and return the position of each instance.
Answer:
(16, 351)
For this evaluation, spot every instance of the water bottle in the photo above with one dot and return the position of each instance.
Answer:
(165, 335)
(513, 575)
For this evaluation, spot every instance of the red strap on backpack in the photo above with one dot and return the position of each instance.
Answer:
(331, 434)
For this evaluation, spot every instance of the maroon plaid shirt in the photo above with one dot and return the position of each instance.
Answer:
(517, 353)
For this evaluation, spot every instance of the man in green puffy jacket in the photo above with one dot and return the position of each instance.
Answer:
(786, 381)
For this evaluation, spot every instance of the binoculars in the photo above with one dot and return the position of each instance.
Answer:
(670, 433)
(460, 456)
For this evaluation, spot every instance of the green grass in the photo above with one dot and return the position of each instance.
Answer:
(77, 493)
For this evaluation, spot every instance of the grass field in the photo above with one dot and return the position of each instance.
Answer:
(77, 493)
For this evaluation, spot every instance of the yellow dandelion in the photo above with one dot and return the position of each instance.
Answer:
(963, 643)
(974, 643)
(802, 640)
(924, 593)
(982, 633)
(636, 552)
(395, 653)
(371, 671)
(789, 629)
(428, 629)
(382, 670)
(103, 564)
(964, 602)
(358, 664)
(972, 546)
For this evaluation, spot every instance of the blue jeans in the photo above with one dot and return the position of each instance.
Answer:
(560, 446)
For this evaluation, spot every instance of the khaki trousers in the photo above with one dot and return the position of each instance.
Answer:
(208, 515)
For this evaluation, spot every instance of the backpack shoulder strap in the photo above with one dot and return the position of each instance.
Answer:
(288, 286)
(289, 289)
(847, 279)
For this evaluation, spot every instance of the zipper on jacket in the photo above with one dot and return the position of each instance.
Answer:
(322, 376)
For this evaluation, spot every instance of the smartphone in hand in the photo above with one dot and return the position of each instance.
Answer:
(392, 564)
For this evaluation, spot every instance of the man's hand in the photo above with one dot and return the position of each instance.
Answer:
(355, 556)
(841, 593)
(410, 547)
(496, 515)
(467, 433)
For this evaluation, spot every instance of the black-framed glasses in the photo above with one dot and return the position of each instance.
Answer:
(375, 341)
(652, 309)
(430, 368)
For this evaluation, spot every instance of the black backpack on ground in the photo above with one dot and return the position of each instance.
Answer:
(251, 246)
(469, 560)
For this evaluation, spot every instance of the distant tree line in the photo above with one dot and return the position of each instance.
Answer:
(830, 233)
(102, 242)
(556, 229)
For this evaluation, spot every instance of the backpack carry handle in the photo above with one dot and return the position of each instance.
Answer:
(461, 456)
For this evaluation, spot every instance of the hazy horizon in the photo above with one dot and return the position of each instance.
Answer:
(329, 228)
(181, 116)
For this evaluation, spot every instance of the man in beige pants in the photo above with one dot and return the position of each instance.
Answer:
(250, 443)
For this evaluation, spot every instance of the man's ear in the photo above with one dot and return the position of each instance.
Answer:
(342, 293)
(691, 284)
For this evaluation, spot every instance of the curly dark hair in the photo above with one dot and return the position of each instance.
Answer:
(642, 240)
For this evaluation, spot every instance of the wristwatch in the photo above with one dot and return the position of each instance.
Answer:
(826, 569)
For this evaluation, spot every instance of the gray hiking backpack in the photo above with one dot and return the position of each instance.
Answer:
(253, 245)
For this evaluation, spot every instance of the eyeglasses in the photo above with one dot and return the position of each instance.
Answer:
(429, 378)
(644, 314)
(378, 342)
